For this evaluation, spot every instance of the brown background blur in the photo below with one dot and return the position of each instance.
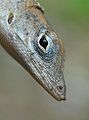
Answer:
(22, 98)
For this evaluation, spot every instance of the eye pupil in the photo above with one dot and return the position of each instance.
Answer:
(43, 42)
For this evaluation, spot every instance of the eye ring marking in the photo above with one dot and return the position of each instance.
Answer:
(45, 42)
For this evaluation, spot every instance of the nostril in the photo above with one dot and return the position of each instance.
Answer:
(60, 87)
(10, 18)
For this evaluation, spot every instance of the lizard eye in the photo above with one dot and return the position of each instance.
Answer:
(45, 43)
(45, 46)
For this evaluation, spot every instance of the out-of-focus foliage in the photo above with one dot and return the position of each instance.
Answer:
(69, 10)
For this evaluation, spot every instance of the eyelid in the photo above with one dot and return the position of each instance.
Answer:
(50, 42)
(39, 44)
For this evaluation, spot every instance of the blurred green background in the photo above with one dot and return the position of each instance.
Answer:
(21, 98)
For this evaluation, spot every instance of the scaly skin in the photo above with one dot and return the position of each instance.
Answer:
(28, 38)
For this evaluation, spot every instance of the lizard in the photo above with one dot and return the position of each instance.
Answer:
(27, 36)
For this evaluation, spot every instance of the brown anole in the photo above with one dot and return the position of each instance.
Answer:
(26, 35)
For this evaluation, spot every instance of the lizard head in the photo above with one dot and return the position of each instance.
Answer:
(32, 42)
(47, 57)
(48, 63)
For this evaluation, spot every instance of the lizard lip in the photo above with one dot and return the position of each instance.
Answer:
(62, 97)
